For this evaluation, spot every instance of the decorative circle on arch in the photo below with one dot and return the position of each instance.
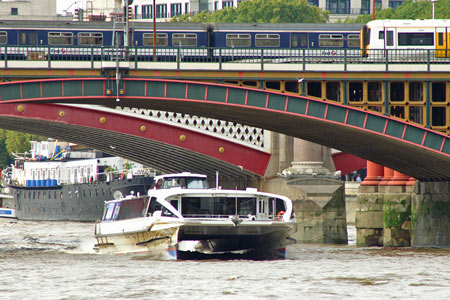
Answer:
(102, 120)
(143, 128)
(20, 108)
(61, 114)
(221, 150)
(182, 138)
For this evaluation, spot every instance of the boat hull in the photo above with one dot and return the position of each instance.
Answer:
(74, 202)
(257, 240)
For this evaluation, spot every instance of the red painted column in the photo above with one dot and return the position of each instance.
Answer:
(374, 174)
(388, 175)
(401, 179)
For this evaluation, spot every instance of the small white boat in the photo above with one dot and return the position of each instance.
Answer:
(7, 212)
(181, 216)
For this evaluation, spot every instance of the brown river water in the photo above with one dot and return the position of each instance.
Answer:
(55, 260)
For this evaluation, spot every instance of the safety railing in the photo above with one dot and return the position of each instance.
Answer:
(221, 56)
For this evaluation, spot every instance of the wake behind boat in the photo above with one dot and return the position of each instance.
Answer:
(182, 217)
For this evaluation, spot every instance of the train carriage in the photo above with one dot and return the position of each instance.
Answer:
(406, 40)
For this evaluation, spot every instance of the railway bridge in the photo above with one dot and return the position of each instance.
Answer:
(385, 113)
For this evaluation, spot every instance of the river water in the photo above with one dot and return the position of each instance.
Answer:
(55, 260)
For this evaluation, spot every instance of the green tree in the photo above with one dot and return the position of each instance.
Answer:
(262, 11)
(5, 157)
(17, 141)
(409, 10)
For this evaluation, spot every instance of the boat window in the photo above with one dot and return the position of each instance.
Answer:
(217, 206)
(131, 208)
(183, 182)
(90, 38)
(279, 205)
(154, 206)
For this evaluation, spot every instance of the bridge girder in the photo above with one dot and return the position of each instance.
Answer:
(405, 147)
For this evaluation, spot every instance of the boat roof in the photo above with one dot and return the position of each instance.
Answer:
(183, 175)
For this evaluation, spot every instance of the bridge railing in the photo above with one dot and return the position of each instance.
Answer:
(221, 56)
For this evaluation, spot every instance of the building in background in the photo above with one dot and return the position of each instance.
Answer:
(28, 9)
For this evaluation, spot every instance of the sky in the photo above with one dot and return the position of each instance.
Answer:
(62, 5)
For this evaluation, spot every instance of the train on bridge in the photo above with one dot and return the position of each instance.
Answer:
(405, 40)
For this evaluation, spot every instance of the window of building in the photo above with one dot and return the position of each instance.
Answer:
(313, 2)
(395, 3)
(175, 9)
(438, 116)
(147, 11)
(161, 11)
(238, 40)
(365, 7)
(184, 39)
(3, 37)
(227, 3)
(216, 5)
(314, 88)
(338, 6)
(331, 40)
(374, 91)
(416, 91)
(267, 40)
(60, 38)
(90, 38)
(355, 89)
(162, 39)
(334, 91)
(186, 7)
(14, 11)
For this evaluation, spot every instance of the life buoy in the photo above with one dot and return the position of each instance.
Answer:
(280, 215)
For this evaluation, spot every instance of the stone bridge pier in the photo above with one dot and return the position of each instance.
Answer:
(395, 211)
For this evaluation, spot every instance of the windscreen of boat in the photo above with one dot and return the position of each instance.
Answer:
(217, 207)
(185, 183)
(127, 209)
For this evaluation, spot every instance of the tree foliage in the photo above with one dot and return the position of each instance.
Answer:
(410, 9)
(262, 11)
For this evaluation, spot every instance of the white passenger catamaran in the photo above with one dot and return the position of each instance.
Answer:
(181, 217)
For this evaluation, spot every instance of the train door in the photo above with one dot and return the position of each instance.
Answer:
(389, 37)
(442, 42)
(299, 40)
(27, 37)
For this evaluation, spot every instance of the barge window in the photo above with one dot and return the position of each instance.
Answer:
(267, 40)
(353, 40)
(162, 39)
(90, 38)
(3, 37)
(331, 40)
(184, 39)
(415, 39)
(60, 38)
(239, 40)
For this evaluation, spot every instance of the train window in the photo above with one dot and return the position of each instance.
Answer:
(389, 38)
(267, 40)
(90, 38)
(27, 37)
(416, 114)
(353, 40)
(331, 40)
(239, 40)
(60, 38)
(374, 91)
(3, 37)
(184, 39)
(162, 39)
(415, 39)
(438, 92)
(416, 91)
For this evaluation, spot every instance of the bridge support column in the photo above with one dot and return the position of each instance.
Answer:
(431, 215)
(317, 193)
